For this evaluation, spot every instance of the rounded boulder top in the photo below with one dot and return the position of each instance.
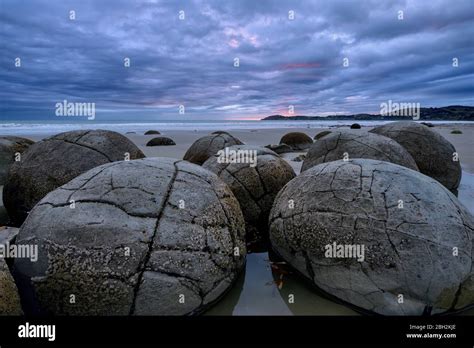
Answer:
(349, 145)
(56, 160)
(255, 175)
(366, 231)
(156, 236)
(297, 140)
(433, 154)
(207, 146)
(160, 141)
(152, 132)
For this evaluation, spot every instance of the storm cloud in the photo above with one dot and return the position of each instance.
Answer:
(393, 50)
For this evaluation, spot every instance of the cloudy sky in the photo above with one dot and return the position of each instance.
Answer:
(190, 62)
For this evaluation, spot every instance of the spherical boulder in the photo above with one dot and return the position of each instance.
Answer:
(340, 145)
(9, 298)
(322, 134)
(355, 126)
(152, 132)
(377, 235)
(297, 140)
(160, 141)
(433, 154)
(255, 175)
(279, 149)
(54, 161)
(10, 147)
(156, 236)
(207, 146)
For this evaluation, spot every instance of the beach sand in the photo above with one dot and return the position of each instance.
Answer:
(463, 143)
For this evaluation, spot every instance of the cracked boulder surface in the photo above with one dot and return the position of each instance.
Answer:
(297, 141)
(334, 146)
(9, 298)
(432, 153)
(254, 187)
(54, 161)
(207, 146)
(142, 236)
(9, 147)
(408, 251)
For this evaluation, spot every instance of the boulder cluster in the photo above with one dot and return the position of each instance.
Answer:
(371, 221)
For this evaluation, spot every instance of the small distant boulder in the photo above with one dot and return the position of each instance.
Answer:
(355, 126)
(160, 141)
(151, 132)
(321, 134)
(131, 133)
(297, 141)
(279, 149)
(456, 131)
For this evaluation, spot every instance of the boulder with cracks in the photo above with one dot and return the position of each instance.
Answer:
(338, 145)
(54, 161)
(11, 149)
(255, 183)
(146, 237)
(207, 146)
(433, 154)
(417, 237)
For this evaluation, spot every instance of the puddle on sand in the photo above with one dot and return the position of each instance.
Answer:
(260, 291)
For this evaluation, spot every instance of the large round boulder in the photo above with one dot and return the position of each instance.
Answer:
(10, 148)
(54, 161)
(377, 235)
(207, 146)
(255, 175)
(433, 154)
(346, 145)
(298, 141)
(155, 236)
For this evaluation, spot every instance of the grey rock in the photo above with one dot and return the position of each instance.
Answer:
(54, 161)
(322, 134)
(408, 250)
(8, 234)
(297, 141)
(279, 149)
(9, 298)
(160, 141)
(207, 146)
(255, 186)
(299, 158)
(152, 132)
(9, 147)
(141, 234)
(432, 153)
(335, 146)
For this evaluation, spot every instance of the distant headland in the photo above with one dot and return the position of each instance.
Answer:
(445, 113)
